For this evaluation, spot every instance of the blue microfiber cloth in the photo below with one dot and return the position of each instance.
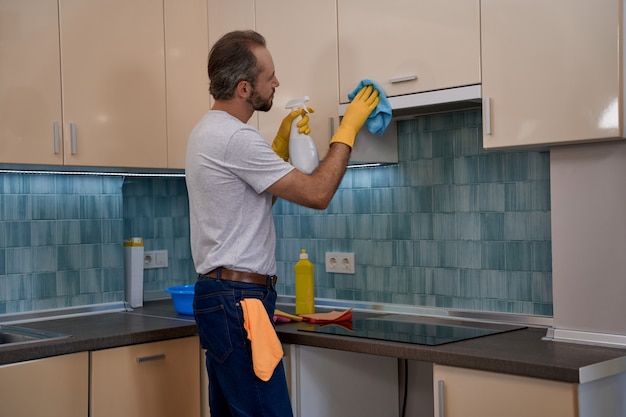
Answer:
(380, 118)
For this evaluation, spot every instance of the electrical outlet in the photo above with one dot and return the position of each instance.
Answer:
(155, 259)
(340, 262)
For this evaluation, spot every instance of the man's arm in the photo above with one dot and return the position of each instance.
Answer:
(317, 189)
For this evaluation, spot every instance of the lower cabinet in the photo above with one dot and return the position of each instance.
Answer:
(469, 393)
(168, 378)
(334, 383)
(49, 387)
(151, 380)
(205, 411)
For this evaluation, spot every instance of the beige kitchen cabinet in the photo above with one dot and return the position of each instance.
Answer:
(552, 72)
(30, 88)
(304, 51)
(113, 77)
(151, 379)
(226, 16)
(304, 54)
(470, 393)
(302, 37)
(408, 46)
(84, 83)
(205, 411)
(187, 82)
(52, 387)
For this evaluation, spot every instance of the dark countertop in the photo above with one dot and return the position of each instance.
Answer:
(100, 331)
(517, 352)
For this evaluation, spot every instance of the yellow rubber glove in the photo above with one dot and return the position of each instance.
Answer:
(281, 141)
(356, 114)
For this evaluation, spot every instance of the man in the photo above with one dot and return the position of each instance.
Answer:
(232, 177)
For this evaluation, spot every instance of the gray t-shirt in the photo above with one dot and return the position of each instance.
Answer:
(228, 169)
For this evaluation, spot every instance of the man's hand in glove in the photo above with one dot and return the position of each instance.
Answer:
(356, 114)
(281, 141)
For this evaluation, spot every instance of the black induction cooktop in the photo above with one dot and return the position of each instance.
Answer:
(424, 332)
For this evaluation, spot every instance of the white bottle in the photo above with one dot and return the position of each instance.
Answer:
(133, 271)
(302, 151)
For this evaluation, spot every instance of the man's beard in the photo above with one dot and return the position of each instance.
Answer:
(260, 103)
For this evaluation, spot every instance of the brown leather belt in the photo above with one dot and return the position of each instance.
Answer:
(239, 276)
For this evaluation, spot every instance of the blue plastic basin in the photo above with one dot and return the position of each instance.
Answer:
(182, 296)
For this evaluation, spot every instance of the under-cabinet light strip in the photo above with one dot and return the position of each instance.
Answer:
(100, 173)
(136, 174)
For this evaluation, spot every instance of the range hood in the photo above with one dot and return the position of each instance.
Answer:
(370, 149)
(432, 101)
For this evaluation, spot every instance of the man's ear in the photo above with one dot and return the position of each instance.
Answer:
(244, 88)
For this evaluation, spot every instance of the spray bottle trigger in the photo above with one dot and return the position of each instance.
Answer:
(298, 103)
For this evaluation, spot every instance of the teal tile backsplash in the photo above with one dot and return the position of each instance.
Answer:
(157, 210)
(59, 241)
(451, 225)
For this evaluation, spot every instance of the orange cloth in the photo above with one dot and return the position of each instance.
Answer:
(266, 348)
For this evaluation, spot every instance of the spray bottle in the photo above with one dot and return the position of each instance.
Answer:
(305, 298)
(302, 151)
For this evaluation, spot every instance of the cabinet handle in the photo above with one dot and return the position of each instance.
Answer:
(403, 79)
(487, 103)
(442, 411)
(151, 358)
(73, 137)
(57, 146)
(331, 126)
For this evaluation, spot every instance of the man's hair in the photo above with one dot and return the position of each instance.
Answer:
(231, 61)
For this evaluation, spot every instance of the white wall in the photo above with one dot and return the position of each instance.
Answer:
(588, 198)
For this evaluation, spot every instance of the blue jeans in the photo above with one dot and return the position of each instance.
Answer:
(234, 389)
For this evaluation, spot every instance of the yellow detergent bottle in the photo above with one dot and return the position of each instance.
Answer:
(305, 298)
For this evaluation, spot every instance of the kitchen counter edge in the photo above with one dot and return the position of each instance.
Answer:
(519, 352)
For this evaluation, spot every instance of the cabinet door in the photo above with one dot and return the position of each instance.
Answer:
(433, 44)
(205, 411)
(187, 83)
(334, 383)
(113, 73)
(469, 393)
(302, 38)
(225, 16)
(551, 71)
(151, 380)
(52, 387)
(30, 82)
